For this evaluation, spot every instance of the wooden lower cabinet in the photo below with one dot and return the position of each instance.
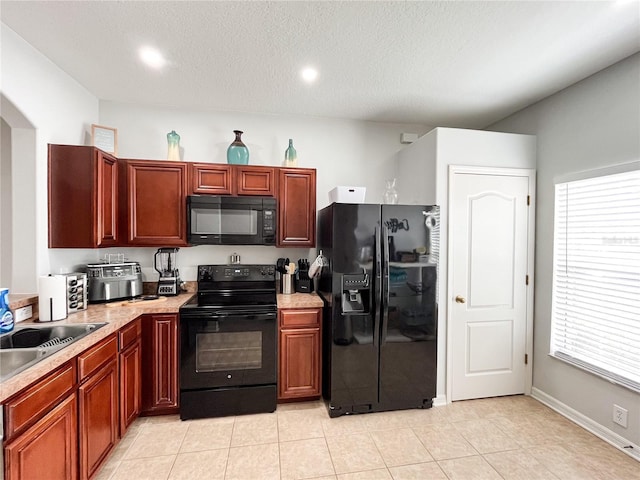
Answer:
(98, 414)
(130, 365)
(130, 385)
(48, 449)
(299, 362)
(160, 386)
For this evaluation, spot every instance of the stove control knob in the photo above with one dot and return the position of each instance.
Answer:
(205, 275)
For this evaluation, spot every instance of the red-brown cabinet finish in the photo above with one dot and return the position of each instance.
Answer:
(49, 449)
(98, 413)
(30, 404)
(299, 362)
(155, 210)
(160, 387)
(296, 207)
(255, 180)
(211, 179)
(130, 360)
(83, 197)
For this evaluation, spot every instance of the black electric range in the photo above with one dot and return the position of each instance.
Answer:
(228, 335)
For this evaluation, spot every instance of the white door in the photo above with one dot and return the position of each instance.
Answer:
(489, 257)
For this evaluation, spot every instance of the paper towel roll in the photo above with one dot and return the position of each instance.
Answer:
(52, 298)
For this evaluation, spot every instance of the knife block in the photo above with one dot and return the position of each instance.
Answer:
(304, 283)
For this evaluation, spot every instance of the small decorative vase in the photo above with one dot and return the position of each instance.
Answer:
(390, 196)
(290, 155)
(173, 140)
(238, 153)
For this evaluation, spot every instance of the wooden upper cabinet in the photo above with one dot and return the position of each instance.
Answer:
(221, 179)
(210, 178)
(296, 207)
(83, 197)
(155, 207)
(255, 180)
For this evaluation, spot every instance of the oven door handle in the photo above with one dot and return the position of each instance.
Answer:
(222, 314)
(236, 313)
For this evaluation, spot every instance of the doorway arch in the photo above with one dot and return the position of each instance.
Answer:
(18, 254)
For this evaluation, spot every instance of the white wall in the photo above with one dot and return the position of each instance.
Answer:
(6, 214)
(344, 152)
(592, 124)
(57, 110)
(61, 111)
(423, 178)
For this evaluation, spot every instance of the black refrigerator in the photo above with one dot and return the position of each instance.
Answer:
(380, 317)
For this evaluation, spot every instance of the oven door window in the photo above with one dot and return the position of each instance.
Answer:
(229, 350)
(224, 221)
(225, 351)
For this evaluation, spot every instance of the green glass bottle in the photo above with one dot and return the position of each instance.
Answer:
(290, 155)
(173, 141)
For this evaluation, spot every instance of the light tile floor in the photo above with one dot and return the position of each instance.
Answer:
(500, 438)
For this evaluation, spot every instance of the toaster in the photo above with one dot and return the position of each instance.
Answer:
(114, 281)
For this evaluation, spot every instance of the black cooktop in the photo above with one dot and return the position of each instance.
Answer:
(234, 287)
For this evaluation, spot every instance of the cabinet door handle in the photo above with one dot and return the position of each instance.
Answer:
(460, 299)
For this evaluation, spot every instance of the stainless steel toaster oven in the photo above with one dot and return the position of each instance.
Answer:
(114, 281)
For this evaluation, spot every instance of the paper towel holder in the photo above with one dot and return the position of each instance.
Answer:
(52, 298)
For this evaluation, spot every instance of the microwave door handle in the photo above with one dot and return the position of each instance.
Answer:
(235, 206)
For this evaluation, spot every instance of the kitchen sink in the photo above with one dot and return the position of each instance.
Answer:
(46, 336)
(16, 360)
(26, 346)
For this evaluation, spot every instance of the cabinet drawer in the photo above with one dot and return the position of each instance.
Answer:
(28, 406)
(129, 334)
(307, 317)
(96, 357)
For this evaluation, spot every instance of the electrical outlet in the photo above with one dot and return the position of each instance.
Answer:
(23, 313)
(620, 415)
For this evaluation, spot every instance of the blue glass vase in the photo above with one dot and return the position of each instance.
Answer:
(238, 153)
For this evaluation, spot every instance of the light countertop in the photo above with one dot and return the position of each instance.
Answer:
(115, 317)
(299, 300)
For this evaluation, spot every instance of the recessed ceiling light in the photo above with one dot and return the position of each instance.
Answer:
(309, 74)
(152, 57)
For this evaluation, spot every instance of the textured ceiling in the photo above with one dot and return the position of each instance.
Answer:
(460, 64)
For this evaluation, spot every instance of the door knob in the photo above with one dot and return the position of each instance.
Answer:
(460, 299)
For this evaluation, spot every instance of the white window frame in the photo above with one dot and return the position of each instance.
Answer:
(583, 319)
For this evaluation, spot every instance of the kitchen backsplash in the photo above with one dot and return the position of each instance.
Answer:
(65, 260)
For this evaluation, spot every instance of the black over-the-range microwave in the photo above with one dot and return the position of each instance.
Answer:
(221, 220)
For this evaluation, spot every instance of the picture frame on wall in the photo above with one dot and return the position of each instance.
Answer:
(105, 138)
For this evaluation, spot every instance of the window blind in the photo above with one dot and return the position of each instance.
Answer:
(596, 276)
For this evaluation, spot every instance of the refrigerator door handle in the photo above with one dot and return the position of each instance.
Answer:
(377, 285)
(384, 305)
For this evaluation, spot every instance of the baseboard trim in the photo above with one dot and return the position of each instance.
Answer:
(585, 422)
(440, 401)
